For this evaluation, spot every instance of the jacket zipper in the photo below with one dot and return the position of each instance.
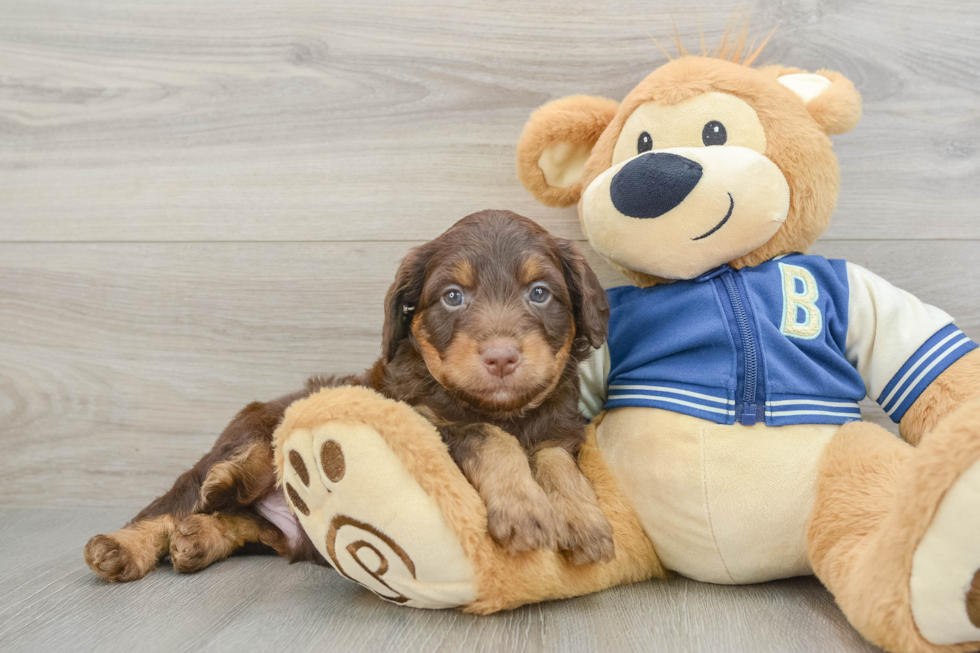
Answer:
(750, 358)
(751, 378)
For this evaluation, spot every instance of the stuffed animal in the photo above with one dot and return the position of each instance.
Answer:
(726, 442)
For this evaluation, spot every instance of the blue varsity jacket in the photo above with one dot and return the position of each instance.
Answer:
(796, 340)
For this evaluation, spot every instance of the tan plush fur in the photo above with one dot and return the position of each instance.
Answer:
(504, 581)
(791, 128)
(838, 109)
(875, 500)
(813, 179)
(578, 119)
(958, 383)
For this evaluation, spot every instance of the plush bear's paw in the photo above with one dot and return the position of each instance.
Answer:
(196, 543)
(587, 536)
(523, 519)
(369, 517)
(113, 561)
(945, 576)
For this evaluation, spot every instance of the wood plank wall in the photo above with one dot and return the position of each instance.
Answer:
(202, 202)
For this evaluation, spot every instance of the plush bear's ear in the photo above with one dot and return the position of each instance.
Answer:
(830, 98)
(556, 142)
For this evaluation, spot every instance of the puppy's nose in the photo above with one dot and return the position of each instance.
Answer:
(500, 359)
(653, 184)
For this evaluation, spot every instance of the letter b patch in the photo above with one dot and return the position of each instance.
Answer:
(801, 316)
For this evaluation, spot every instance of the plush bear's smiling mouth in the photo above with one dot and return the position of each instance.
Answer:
(731, 207)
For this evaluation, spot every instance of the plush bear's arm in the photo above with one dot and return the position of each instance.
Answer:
(899, 345)
(958, 383)
(593, 375)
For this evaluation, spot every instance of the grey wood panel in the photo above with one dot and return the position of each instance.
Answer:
(120, 362)
(51, 602)
(305, 119)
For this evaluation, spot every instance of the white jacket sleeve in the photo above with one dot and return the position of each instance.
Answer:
(593, 375)
(898, 344)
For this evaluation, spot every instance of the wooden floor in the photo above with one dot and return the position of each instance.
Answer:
(51, 603)
(203, 202)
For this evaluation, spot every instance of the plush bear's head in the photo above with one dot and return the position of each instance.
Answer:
(705, 162)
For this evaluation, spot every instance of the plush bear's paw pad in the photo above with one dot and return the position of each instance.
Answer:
(196, 543)
(112, 561)
(523, 520)
(370, 518)
(973, 601)
(587, 537)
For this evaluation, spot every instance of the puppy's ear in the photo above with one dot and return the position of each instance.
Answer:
(590, 304)
(402, 299)
(556, 142)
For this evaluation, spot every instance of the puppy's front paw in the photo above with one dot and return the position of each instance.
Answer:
(524, 520)
(112, 561)
(587, 536)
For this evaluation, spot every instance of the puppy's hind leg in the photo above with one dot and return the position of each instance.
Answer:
(236, 471)
(200, 540)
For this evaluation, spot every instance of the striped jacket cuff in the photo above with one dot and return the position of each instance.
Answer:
(940, 351)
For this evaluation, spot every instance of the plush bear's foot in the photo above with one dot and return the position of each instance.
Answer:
(945, 581)
(345, 458)
(895, 531)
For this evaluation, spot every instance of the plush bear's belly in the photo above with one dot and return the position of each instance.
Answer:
(722, 504)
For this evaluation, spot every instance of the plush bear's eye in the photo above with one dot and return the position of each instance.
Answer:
(644, 143)
(714, 134)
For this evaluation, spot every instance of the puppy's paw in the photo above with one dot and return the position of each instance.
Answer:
(112, 561)
(587, 536)
(196, 543)
(523, 520)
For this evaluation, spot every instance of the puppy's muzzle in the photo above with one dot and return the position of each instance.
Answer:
(653, 184)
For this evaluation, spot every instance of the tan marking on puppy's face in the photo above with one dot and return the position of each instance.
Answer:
(690, 188)
(515, 299)
(460, 370)
(463, 274)
(531, 269)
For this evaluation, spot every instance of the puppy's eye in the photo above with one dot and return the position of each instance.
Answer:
(714, 133)
(539, 295)
(453, 297)
(644, 143)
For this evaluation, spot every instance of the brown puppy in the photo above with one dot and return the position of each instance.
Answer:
(484, 328)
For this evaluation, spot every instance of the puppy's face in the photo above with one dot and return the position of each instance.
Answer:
(500, 308)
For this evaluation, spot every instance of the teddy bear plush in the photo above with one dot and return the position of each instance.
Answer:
(726, 442)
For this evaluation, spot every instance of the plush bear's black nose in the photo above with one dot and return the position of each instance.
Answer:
(653, 184)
